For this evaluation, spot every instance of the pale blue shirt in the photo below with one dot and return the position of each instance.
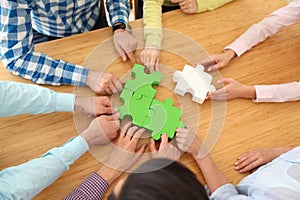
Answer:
(26, 180)
(277, 180)
(19, 98)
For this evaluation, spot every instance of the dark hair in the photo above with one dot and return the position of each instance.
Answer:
(174, 181)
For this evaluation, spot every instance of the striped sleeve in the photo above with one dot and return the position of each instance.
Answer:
(94, 187)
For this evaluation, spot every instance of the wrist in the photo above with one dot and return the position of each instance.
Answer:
(121, 27)
(281, 150)
(250, 92)
(88, 80)
(108, 174)
(230, 53)
(89, 140)
(79, 104)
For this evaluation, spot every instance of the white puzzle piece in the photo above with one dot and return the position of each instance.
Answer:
(195, 81)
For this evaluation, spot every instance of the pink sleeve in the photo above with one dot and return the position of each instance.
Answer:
(94, 187)
(270, 25)
(278, 93)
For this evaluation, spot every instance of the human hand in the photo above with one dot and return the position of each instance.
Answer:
(188, 141)
(165, 150)
(218, 61)
(125, 152)
(187, 6)
(103, 83)
(102, 130)
(150, 58)
(232, 90)
(125, 43)
(94, 106)
(251, 160)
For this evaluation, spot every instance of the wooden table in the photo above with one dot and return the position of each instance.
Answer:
(247, 125)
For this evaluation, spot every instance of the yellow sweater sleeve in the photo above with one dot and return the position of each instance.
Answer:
(204, 5)
(152, 22)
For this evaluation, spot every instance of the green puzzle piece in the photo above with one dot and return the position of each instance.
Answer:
(138, 95)
(145, 111)
(141, 79)
(163, 118)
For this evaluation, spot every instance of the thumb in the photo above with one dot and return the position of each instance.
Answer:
(226, 80)
(107, 110)
(214, 67)
(113, 117)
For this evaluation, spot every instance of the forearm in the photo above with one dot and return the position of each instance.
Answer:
(213, 176)
(278, 93)
(118, 11)
(27, 180)
(17, 50)
(268, 26)
(19, 98)
(153, 22)
(95, 186)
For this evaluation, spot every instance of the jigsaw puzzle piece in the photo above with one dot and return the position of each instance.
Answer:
(156, 119)
(125, 97)
(193, 80)
(142, 79)
(164, 118)
(139, 105)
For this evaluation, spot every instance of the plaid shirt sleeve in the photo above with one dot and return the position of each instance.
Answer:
(118, 11)
(17, 50)
(94, 187)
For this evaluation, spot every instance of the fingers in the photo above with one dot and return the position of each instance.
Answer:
(141, 149)
(215, 67)
(150, 58)
(248, 165)
(152, 146)
(164, 141)
(125, 44)
(131, 131)
(219, 94)
(156, 65)
(131, 57)
(206, 62)
(138, 134)
(107, 110)
(124, 129)
(248, 161)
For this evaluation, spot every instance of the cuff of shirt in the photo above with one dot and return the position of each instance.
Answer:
(74, 75)
(70, 151)
(238, 49)
(65, 102)
(154, 38)
(94, 187)
(263, 93)
(224, 192)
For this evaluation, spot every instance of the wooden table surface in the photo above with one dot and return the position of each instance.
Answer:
(247, 125)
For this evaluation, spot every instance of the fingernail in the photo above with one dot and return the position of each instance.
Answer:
(209, 69)
(219, 81)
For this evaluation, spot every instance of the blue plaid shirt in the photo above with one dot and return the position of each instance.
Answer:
(57, 18)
